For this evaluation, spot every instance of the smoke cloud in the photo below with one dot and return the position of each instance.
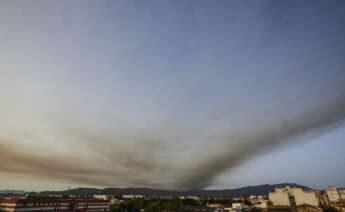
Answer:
(170, 96)
(152, 158)
(282, 132)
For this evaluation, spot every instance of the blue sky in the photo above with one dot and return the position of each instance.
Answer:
(171, 94)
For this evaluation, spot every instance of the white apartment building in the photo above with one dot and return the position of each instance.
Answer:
(332, 194)
(132, 196)
(280, 197)
(236, 207)
(293, 196)
(304, 197)
(101, 196)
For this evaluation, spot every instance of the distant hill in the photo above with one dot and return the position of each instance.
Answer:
(249, 190)
(17, 192)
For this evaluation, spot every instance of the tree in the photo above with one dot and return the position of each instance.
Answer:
(172, 205)
(116, 208)
(190, 202)
(153, 207)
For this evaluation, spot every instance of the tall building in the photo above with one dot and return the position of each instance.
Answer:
(293, 196)
(332, 194)
(61, 205)
(280, 197)
(304, 197)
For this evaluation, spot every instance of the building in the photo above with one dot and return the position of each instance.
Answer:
(236, 207)
(280, 197)
(215, 205)
(258, 201)
(132, 196)
(261, 197)
(194, 198)
(48, 205)
(239, 205)
(341, 193)
(261, 204)
(101, 196)
(190, 197)
(304, 197)
(116, 201)
(293, 196)
(332, 194)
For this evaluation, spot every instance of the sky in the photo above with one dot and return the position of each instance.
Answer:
(171, 94)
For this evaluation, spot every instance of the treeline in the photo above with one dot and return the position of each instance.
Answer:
(168, 205)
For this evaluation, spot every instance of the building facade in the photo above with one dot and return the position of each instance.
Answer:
(55, 205)
(293, 196)
(304, 197)
(132, 196)
(280, 197)
(332, 194)
(101, 196)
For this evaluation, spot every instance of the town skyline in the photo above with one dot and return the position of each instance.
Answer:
(282, 197)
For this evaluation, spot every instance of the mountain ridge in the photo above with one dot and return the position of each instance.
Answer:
(237, 192)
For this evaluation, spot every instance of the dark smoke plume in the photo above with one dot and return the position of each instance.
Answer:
(313, 122)
(106, 163)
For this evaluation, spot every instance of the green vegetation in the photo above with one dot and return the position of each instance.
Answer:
(223, 201)
(154, 207)
(149, 205)
(116, 208)
(167, 205)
